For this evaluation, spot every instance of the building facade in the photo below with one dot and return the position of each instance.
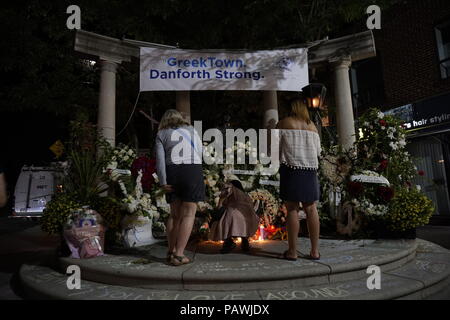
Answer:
(410, 77)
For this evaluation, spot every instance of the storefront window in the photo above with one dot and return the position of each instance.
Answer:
(443, 42)
(431, 157)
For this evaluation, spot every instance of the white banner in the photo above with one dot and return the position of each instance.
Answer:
(185, 70)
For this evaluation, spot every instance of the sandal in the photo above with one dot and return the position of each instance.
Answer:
(179, 260)
(310, 257)
(285, 256)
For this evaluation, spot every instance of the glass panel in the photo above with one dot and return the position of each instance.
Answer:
(428, 157)
(445, 69)
(443, 40)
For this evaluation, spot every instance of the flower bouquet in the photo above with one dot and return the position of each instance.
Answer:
(85, 234)
(137, 225)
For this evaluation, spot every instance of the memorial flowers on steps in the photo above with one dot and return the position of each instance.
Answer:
(371, 178)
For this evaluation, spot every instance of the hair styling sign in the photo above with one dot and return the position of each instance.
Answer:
(176, 69)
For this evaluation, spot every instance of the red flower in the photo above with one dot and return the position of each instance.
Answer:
(148, 167)
(385, 193)
(382, 122)
(355, 188)
(421, 173)
(383, 165)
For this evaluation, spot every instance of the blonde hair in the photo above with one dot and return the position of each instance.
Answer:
(300, 110)
(172, 119)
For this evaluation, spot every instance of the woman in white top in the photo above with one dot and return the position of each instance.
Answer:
(299, 152)
(179, 169)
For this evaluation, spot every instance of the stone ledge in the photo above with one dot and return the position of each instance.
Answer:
(342, 261)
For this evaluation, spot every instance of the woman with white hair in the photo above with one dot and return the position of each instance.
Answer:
(180, 173)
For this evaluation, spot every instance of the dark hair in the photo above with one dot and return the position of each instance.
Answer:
(237, 184)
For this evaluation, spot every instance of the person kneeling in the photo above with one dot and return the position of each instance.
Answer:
(238, 219)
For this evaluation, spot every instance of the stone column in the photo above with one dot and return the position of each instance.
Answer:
(343, 97)
(270, 109)
(184, 104)
(107, 101)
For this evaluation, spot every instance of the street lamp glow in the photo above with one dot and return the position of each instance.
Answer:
(314, 94)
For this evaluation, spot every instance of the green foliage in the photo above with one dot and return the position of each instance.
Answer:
(40, 70)
(382, 147)
(409, 209)
(88, 155)
(57, 212)
(111, 211)
(379, 151)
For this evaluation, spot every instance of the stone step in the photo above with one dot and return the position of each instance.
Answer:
(410, 270)
(418, 279)
(145, 267)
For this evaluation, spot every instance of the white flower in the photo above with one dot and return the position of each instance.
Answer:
(114, 175)
(112, 165)
(383, 127)
(380, 115)
(418, 187)
(130, 152)
(393, 145)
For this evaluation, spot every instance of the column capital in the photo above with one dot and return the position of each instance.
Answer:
(340, 62)
(108, 65)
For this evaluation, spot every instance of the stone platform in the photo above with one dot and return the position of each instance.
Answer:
(411, 269)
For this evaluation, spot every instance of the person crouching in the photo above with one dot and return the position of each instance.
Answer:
(238, 219)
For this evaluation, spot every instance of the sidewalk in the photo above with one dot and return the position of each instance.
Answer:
(21, 241)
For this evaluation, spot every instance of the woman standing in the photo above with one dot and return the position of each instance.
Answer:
(299, 152)
(179, 169)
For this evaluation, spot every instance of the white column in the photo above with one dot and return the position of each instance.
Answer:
(343, 97)
(107, 101)
(270, 109)
(184, 104)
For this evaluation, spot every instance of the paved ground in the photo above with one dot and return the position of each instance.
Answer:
(22, 242)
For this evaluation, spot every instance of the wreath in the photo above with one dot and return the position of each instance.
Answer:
(265, 205)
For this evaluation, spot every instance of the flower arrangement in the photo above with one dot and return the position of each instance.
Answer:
(123, 156)
(57, 211)
(267, 206)
(408, 209)
(84, 180)
(138, 202)
(148, 168)
(379, 152)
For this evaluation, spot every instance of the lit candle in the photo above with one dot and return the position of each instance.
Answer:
(261, 232)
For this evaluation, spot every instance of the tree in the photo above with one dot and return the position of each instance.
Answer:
(40, 70)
